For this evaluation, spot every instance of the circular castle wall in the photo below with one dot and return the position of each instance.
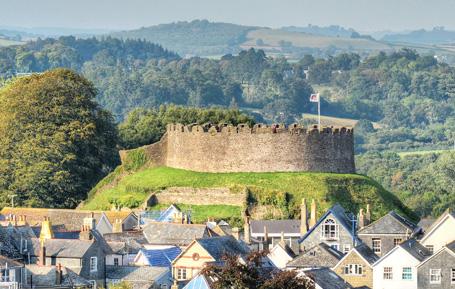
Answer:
(258, 149)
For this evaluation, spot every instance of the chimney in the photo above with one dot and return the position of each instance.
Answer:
(282, 241)
(236, 233)
(303, 218)
(58, 274)
(246, 230)
(175, 285)
(90, 221)
(368, 216)
(14, 221)
(117, 226)
(362, 219)
(86, 233)
(312, 214)
(266, 239)
(42, 254)
(46, 229)
(22, 220)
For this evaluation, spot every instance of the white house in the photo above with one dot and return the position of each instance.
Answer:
(281, 254)
(440, 233)
(398, 268)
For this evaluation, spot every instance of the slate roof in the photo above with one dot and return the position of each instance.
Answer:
(392, 223)
(8, 246)
(342, 218)
(46, 276)
(140, 277)
(218, 247)
(174, 234)
(161, 257)
(72, 279)
(61, 247)
(450, 247)
(414, 248)
(63, 219)
(327, 279)
(199, 282)
(367, 253)
(126, 236)
(321, 255)
(124, 247)
(275, 226)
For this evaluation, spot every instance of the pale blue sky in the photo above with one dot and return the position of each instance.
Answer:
(363, 15)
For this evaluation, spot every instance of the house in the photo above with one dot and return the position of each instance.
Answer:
(11, 272)
(203, 251)
(265, 234)
(166, 216)
(157, 233)
(122, 253)
(438, 271)
(398, 268)
(158, 257)
(139, 277)
(37, 276)
(319, 256)
(67, 220)
(324, 278)
(387, 232)
(336, 228)
(86, 257)
(440, 233)
(281, 254)
(356, 267)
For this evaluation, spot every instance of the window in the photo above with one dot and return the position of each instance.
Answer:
(430, 248)
(397, 241)
(181, 273)
(452, 275)
(115, 261)
(93, 264)
(346, 248)
(335, 246)
(353, 269)
(53, 260)
(435, 276)
(388, 275)
(407, 273)
(92, 282)
(329, 229)
(376, 245)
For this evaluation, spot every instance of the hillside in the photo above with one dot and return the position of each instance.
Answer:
(264, 191)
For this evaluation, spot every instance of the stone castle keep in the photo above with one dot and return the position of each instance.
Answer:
(262, 148)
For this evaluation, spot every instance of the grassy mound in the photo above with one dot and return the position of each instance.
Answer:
(281, 190)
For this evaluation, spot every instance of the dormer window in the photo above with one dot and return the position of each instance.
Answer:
(329, 229)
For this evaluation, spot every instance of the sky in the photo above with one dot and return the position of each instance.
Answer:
(362, 15)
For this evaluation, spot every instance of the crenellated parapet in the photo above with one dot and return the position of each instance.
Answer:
(257, 129)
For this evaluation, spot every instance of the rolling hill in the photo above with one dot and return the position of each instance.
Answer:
(131, 184)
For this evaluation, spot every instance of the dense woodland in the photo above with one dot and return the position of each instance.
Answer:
(404, 101)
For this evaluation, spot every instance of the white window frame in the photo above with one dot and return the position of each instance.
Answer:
(93, 264)
(376, 249)
(116, 259)
(353, 270)
(397, 241)
(387, 273)
(332, 232)
(182, 274)
(430, 248)
(452, 276)
(436, 274)
(346, 248)
(407, 274)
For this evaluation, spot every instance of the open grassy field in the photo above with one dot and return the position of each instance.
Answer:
(422, 152)
(334, 121)
(6, 42)
(283, 190)
(272, 38)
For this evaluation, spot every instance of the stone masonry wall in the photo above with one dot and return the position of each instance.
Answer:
(260, 149)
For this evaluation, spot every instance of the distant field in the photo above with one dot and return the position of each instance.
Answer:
(334, 121)
(272, 38)
(5, 42)
(423, 152)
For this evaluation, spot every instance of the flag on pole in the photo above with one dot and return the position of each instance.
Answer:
(314, 97)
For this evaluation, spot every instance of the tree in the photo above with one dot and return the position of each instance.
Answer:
(249, 274)
(55, 141)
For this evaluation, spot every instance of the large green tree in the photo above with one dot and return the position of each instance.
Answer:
(55, 141)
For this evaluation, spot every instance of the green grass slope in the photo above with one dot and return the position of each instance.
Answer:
(281, 190)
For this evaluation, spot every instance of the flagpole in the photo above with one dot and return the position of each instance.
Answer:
(319, 111)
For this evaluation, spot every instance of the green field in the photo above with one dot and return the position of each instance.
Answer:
(6, 42)
(422, 152)
(283, 190)
(272, 38)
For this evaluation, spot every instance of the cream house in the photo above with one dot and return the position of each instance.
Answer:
(440, 233)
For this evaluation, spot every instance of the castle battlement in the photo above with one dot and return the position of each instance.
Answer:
(256, 129)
